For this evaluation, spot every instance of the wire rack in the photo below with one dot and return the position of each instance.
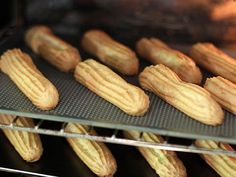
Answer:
(113, 138)
(23, 173)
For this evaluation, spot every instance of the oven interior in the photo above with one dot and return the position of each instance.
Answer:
(180, 24)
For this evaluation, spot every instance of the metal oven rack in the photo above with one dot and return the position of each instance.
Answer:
(113, 138)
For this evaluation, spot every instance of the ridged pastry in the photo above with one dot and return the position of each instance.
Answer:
(94, 154)
(165, 163)
(158, 52)
(224, 165)
(110, 86)
(110, 52)
(28, 145)
(189, 98)
(214, 60)
(56, 51)
(22, 71)
(223, 91)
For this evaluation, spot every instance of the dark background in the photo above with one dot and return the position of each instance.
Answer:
(184, 21)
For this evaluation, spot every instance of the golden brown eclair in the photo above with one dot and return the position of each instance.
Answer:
(56, 51)
(22, 71)
(94, 154)
(110, 52)
(189, 98)
(165, 163)
(110, 86)
(158, 52)
(214, 60)
(28, 145)
(224, 165)
(223, 11)
(223, 91)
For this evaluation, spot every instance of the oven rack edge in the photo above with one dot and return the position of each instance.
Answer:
(113, 138)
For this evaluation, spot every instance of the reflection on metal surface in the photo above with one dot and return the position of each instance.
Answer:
(22, 172)
(113, 138)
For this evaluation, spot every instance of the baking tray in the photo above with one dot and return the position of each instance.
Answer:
(59, 159)
(78, 104)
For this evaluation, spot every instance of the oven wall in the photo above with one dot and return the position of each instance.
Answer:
(183, 21)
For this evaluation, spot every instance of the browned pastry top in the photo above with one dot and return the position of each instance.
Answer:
(110, 52)
(157, 52)
(189, 98)
(223, 91)
(110, 86)
(43, 35)
(214, 60)
(56, 51)
(22, 71)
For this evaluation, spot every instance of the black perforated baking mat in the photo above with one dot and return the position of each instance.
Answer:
(78, 104)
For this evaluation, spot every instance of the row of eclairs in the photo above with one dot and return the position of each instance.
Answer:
(174, 77)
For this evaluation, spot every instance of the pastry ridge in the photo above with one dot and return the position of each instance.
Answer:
(223, 91)
(157, 52)
(214, 60)
(27, 144)
(189, 98)
(94, 154)
(56, 51)
(224, 165)
(165, 163)
(110, 52)
(22, 71)
(110, 86)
